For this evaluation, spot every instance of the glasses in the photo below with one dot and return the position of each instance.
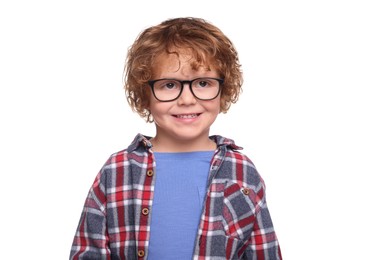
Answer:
(166, 90)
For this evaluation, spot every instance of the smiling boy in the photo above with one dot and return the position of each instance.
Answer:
(181, 194)
(183, 123)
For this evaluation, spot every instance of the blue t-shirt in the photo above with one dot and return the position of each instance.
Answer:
(180, 188)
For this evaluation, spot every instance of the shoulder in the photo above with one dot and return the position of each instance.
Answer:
(117, 158)
(233, 152)
(236, 164)
(240, 163)
(126, 158)
(134, 156)
(238, 157)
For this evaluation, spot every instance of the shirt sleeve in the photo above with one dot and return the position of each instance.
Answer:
(263, 243)
(91, 240)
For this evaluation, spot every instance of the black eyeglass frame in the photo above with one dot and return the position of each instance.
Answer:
(182, 82)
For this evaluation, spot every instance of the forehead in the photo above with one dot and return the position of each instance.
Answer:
(182, 60)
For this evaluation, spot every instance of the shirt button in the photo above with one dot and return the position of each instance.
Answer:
(245, 191)
(149, 173)
(140, 253)
(145, 211)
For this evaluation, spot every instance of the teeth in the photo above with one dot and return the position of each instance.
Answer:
(187, 116)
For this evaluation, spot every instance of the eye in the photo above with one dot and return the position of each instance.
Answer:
(204, 83)
(167, 85)
(170, 85)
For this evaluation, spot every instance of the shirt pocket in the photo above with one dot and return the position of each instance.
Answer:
(238, 211)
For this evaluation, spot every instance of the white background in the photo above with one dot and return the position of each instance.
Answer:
(302, 117)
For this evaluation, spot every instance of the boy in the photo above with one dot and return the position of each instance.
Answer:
(181, 194)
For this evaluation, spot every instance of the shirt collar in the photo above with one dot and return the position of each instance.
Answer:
(140, 141)
(143, 141)
(223, 141)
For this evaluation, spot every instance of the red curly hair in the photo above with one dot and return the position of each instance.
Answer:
(207, 45)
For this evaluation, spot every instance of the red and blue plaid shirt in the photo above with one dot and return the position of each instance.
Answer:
(235, 221)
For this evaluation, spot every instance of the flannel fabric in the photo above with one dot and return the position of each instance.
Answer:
(235, 221)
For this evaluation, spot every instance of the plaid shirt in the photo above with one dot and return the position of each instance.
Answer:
(235, 221)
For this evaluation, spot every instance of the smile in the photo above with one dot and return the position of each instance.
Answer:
(187, 116)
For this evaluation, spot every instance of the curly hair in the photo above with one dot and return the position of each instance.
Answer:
(207, 45)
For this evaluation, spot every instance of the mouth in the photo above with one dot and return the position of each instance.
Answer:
(187, 116)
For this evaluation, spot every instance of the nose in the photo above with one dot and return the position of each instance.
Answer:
(186, 96)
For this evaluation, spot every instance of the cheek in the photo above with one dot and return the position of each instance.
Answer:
(212, 107)
(159, 109)
(216, 106)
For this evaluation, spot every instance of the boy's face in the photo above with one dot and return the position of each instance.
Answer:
(186, 118)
